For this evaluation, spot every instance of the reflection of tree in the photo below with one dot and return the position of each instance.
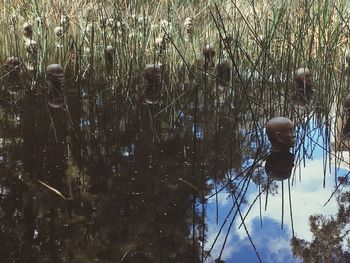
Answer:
(130, 187)
(330, 236)
(126, 201)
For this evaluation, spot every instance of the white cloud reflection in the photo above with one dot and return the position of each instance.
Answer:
(308, 198)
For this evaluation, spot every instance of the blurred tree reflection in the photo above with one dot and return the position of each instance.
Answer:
(330, 241)
(111, 181)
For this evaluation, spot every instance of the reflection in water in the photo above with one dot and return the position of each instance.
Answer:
(288, 207)
(109, 179)
(279, 165)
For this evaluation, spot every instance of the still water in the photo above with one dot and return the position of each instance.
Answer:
(286, 213)
(109, 178)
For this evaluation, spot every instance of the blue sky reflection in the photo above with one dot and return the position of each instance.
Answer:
(273, 243)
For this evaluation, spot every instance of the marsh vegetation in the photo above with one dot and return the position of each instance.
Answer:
(134, 131)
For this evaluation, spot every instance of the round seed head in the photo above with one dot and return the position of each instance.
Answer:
(31, 46)
(39, 20)
(188, 22)
(159, 41)
(27, 30)
(12, 64)
(59, 31)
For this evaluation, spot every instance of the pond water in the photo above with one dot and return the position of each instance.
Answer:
(109, 178)
(274, 220)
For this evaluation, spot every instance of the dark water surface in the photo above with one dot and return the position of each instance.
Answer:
(112, 179)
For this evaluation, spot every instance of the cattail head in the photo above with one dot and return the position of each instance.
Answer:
(28, 30)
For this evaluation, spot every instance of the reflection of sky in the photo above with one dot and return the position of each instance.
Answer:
(273, 243)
